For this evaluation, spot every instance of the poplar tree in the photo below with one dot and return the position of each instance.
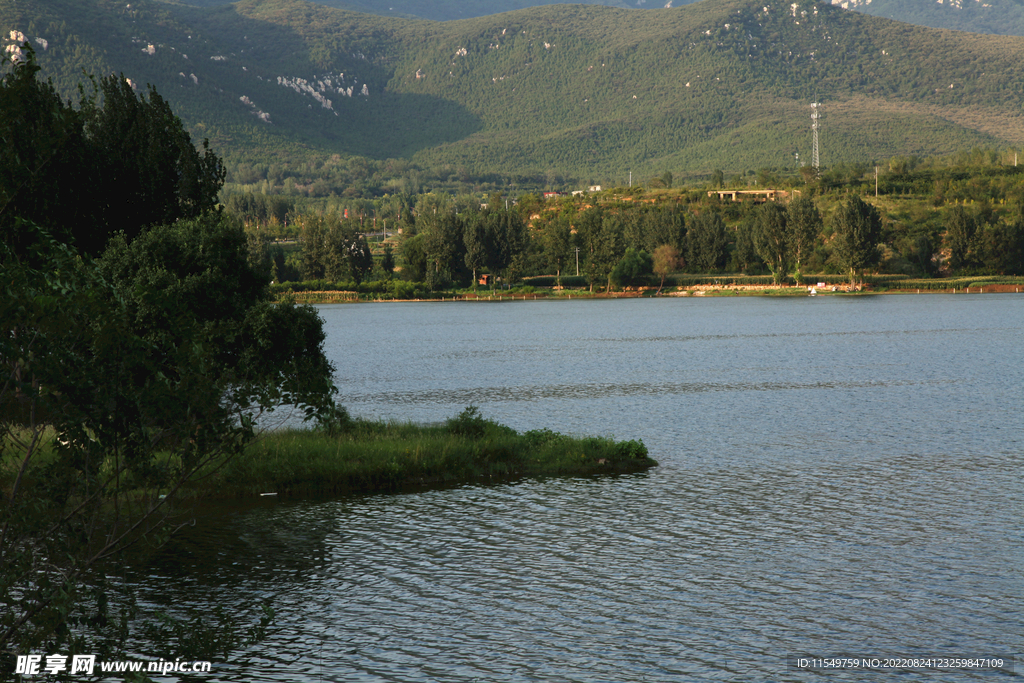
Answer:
(856, 229)
(961, 230)
(804, 229)
(706, 242)
(771, 237)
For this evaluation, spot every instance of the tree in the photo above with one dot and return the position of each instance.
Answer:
(559, 245)
(856, 228)
(475, 239)
(44, 155)
(507, 241)
(148, 172)
(358, 256)
(961, 229)
(313, 236)
(745, 252)
(632, 269)
(1002, 247)
(605, 243)
(414, 256)
(706, 242)
(666, 225)
(122, 382)
(116, 165)
(923, 251)
(387, 261)
(192, 282)
(804, 228)
(445, 249)
(665, 262)
(771, 237)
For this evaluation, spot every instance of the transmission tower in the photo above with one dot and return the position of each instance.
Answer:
(815, 116)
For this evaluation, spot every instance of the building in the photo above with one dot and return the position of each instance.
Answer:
(759, 196)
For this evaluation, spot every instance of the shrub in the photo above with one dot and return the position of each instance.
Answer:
(471, 424)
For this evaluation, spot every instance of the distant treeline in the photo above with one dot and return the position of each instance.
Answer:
(932, 218)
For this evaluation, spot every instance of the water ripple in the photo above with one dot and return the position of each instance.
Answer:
(837, 476)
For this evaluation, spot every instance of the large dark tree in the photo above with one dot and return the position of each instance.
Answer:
(147, 171)
(118, 164)
(193, 282)
(121, 380)
(44, 156)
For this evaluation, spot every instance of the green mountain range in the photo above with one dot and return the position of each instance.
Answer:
(999, 17)
(583, 91)
(450, 10)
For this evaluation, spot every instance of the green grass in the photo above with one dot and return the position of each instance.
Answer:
(365, 456)
(948, 284)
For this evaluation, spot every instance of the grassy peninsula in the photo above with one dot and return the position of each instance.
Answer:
(359, 456)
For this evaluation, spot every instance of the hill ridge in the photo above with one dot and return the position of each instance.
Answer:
(578, 90)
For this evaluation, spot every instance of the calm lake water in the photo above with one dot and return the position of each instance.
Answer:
(837, 475)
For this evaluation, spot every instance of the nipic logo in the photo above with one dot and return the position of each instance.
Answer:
(38, 665)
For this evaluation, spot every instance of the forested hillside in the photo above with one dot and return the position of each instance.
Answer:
(1000, 17)
(559, 94)
(448, 10)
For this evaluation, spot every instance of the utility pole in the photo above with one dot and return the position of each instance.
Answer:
(876, 181)
(631, 179)
(577, 261)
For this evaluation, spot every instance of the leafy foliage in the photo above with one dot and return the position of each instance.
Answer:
(961, 229)
(665, 261)
(771, 238)
(84, 174)
(126, 379)
(706, 243)
(804, 229)
(856, 228)
(633, 269)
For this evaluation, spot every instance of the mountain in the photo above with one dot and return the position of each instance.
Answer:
(450, 10)
(999, 17)
(585, 91)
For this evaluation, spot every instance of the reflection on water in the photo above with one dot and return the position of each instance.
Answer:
(837, 475)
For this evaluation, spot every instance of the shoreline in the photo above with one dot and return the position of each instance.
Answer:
(341, 297)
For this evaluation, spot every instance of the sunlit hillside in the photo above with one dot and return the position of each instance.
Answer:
(586, 91)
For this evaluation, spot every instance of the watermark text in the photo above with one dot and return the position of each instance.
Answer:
(40, 665)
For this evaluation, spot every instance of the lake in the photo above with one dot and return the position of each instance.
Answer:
(838, 475)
